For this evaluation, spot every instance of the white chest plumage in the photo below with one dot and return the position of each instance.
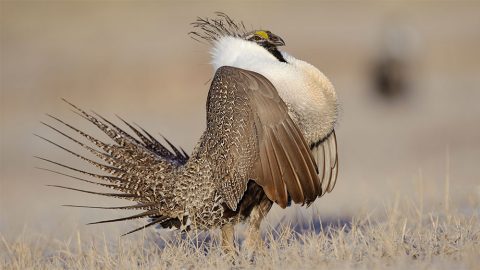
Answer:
(307, 92)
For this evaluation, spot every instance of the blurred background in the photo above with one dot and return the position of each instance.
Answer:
(407, 74)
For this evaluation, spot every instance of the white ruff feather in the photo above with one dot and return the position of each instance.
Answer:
(307, 92)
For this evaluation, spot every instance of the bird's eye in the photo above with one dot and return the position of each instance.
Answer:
(257, 38)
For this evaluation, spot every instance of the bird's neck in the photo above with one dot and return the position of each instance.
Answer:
(236, 52)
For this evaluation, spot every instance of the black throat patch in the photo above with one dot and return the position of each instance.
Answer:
(275, 52)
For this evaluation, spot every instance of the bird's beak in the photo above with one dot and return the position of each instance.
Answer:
(276, 40)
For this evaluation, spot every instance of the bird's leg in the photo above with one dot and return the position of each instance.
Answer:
(228, 239)
(253, 241)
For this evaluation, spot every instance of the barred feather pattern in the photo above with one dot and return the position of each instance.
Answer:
(143, 170)
(196, 191)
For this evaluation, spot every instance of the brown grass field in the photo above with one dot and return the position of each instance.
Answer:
(408, 192)
(402, 235)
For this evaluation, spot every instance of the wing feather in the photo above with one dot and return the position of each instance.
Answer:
(289, 176)
(276, 176)
(326, 158)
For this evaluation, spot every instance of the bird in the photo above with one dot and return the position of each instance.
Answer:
(269, 139)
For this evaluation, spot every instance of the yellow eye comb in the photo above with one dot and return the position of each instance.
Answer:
(263, 34)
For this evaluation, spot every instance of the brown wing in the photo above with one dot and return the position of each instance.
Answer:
(326, 158)
(248, 127)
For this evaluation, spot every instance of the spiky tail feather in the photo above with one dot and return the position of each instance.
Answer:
(141, 168)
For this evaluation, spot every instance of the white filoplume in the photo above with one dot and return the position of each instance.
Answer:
(308, 93)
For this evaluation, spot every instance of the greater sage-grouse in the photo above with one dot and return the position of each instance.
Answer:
(269, 139)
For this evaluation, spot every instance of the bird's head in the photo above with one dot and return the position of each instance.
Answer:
(264, 38)
(214, 29)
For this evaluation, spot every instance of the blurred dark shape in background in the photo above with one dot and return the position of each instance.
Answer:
(391, 72)
(390, 79)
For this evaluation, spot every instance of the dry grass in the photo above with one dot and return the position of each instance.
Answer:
(402, 236)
